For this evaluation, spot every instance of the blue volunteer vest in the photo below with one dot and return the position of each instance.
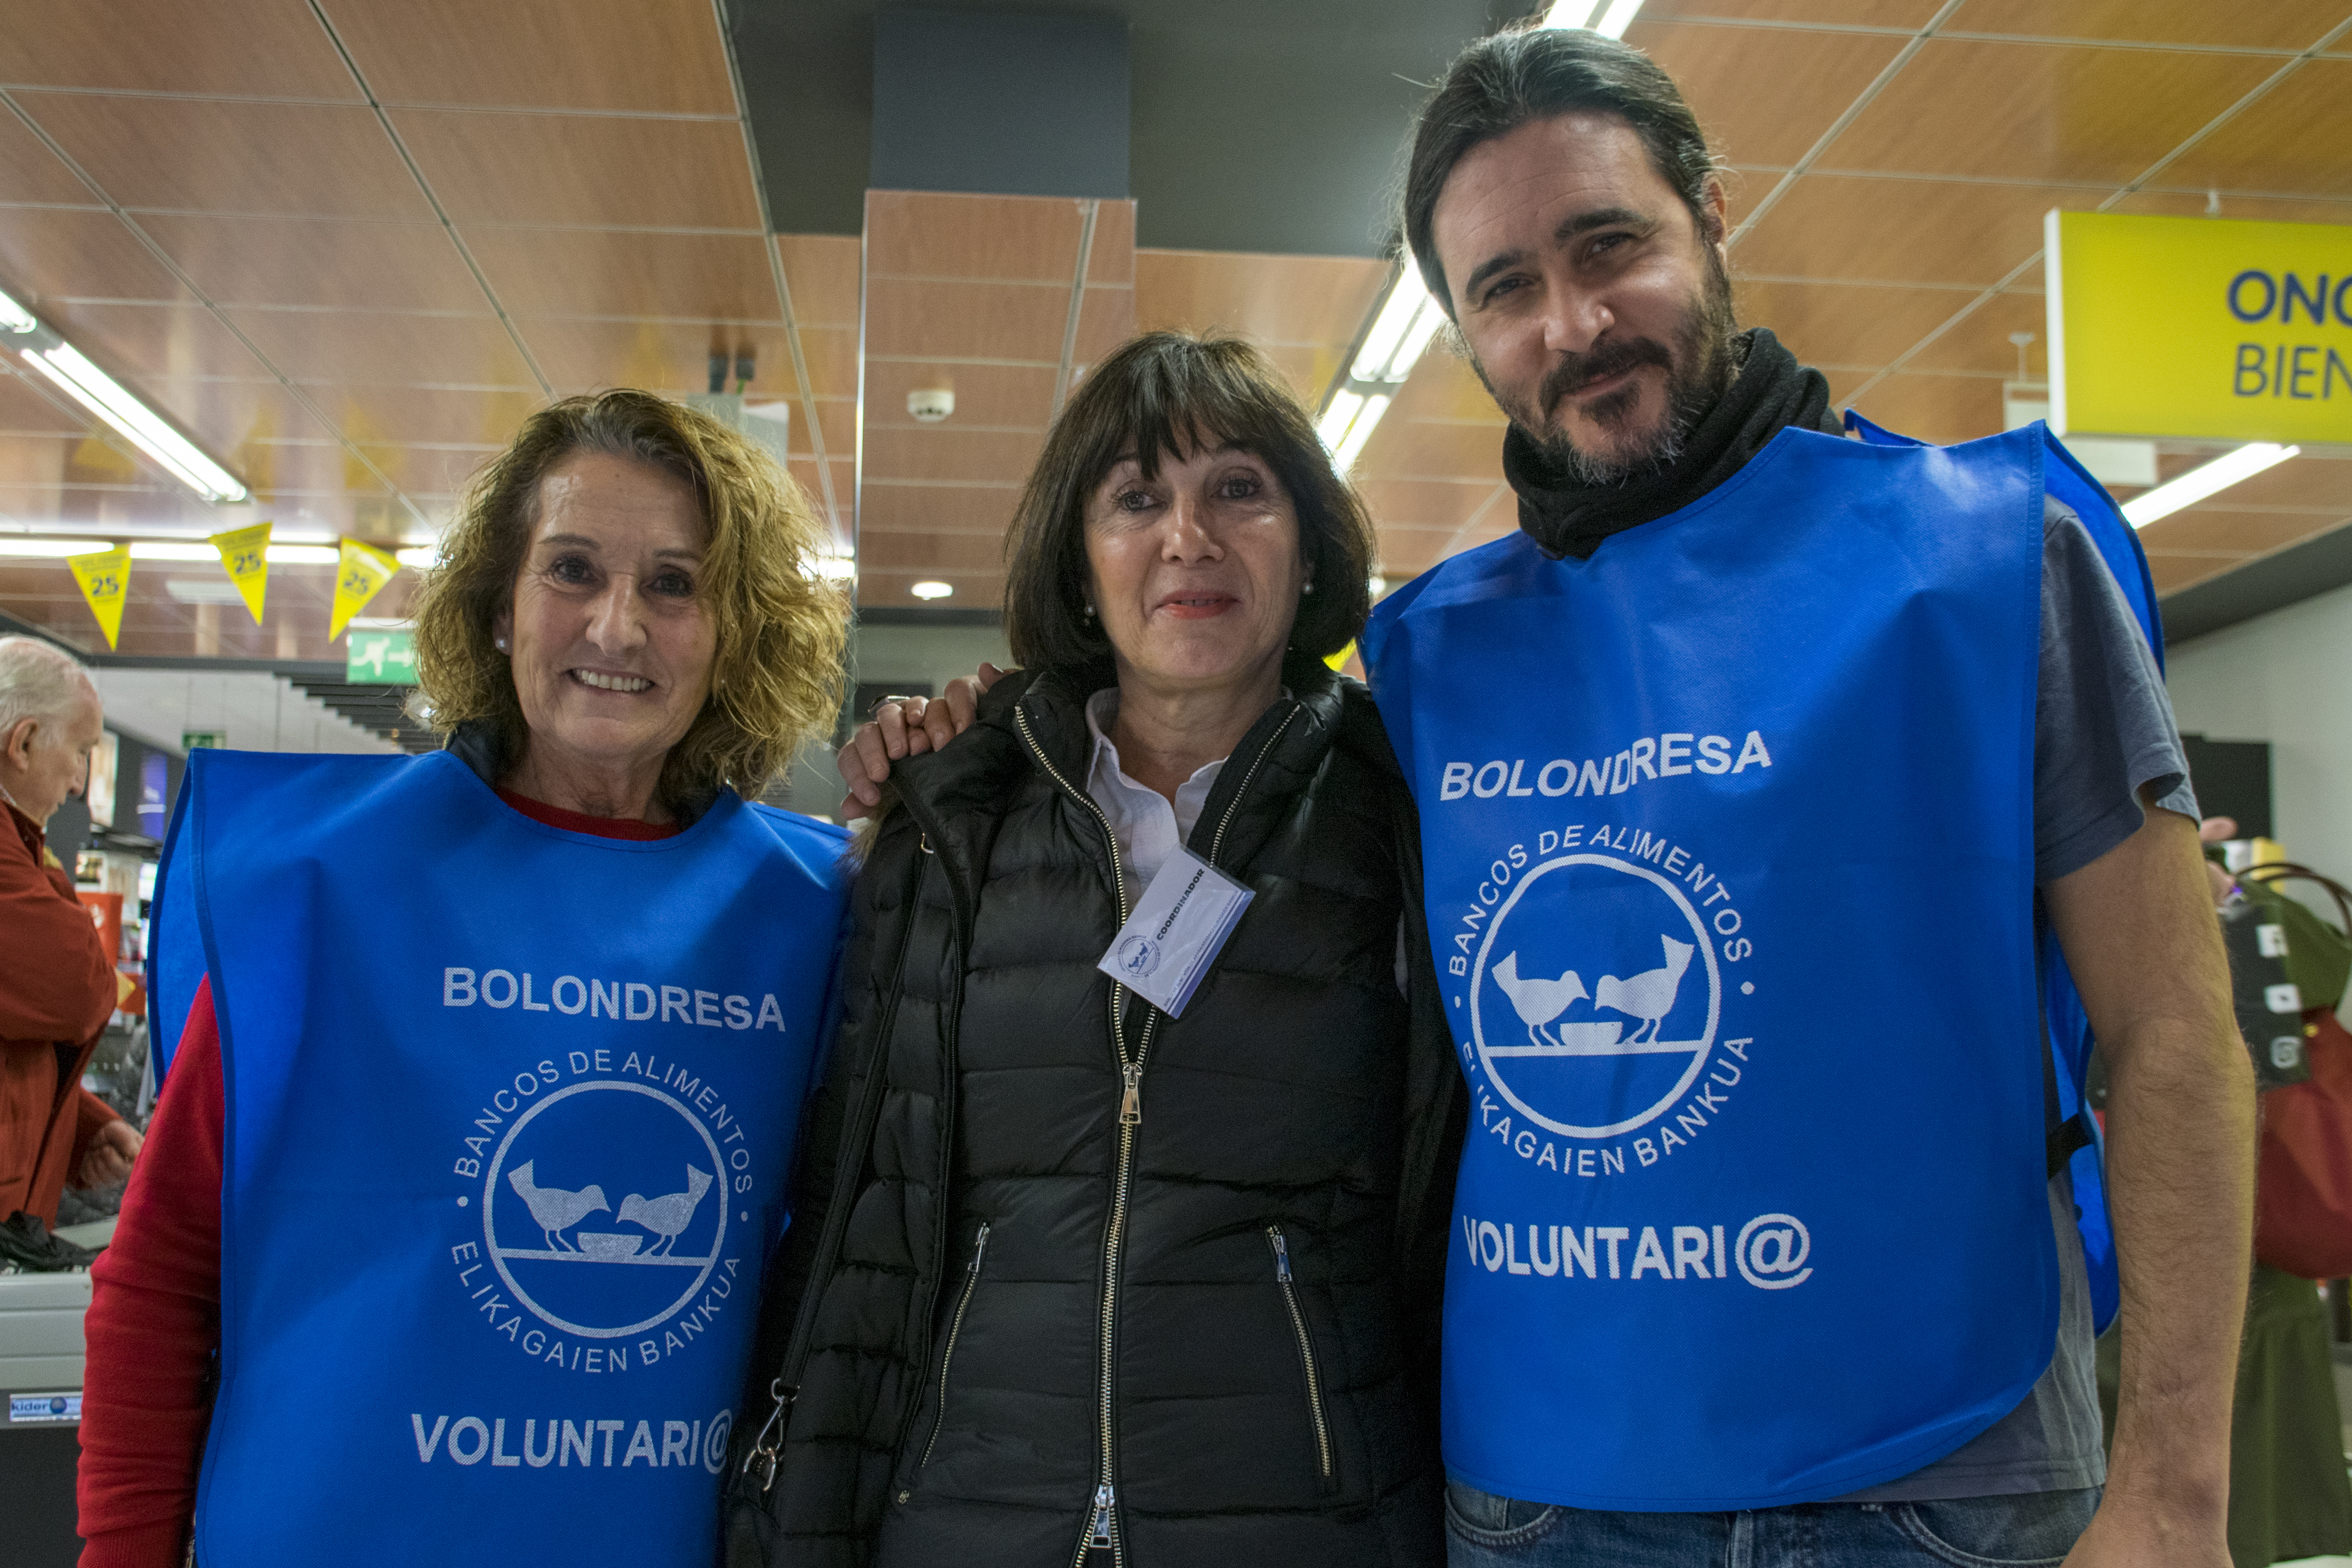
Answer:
(1728, 845)
(510, 1117)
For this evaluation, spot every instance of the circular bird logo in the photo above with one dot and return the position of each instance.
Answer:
(597, 1208)
(1595, 995)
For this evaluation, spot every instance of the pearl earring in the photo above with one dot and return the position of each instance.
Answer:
(1090, 612)
(1309, 589)
(502, 645)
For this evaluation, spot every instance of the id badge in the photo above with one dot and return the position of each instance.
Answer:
(1166, 945)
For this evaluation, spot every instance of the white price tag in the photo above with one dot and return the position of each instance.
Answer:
(1168, 944)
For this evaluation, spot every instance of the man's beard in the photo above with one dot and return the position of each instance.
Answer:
(1698, 369)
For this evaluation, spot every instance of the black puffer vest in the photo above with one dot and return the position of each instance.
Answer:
(1065, 1271)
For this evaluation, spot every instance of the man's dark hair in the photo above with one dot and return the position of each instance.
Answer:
(1528, 73)
(1155, 397)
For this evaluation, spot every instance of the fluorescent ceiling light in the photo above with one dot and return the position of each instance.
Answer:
(104, 396)
(417, 555)
(1337, 418)
(2207, 479)
(836, 568)
(1403, 309)
(1343, 457)
(1609, 18)
(202, 590)
(930, 590)
(49, 549)
(15, 318)
(305, 555)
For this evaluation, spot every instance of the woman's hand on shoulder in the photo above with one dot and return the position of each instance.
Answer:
(906, 727)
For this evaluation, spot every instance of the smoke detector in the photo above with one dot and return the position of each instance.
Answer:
(931, 404)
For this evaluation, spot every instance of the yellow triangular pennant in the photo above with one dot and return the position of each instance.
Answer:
(358, 577)
(245, 556)
(104, 576)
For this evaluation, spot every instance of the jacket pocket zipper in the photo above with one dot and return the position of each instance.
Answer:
(955, 1327)
(1306, 1346)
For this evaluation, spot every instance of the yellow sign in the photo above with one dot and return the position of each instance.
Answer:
(358, 577)
(105, 579)
(2199, 328)
(245, 556)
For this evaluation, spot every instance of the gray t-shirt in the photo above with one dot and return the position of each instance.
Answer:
(2102, 731)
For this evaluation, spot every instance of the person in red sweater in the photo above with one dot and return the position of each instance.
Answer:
(57, 983)
(623, 632)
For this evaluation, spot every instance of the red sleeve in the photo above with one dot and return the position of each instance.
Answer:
(58, 983)
(154, 1324)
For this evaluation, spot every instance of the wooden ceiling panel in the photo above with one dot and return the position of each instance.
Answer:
(1444, 386)
(236, 421)
(965, 320)
(1425, 503)
(470, 352)
(27, 409)
(1000, 396)
(2231, 528)
(925, 509)
(1939, 408)
(1979, 344)
(1308, 368)
(1764, 97)
(1906, 13)
(319, 262)
(1111, 262)
(650, 57)
(29, 172)
(2258, 209)
(805, 474)
(261, 48)
(583, 170)
(429, 471)
(660, 356)
(1106, 320)
(49, 254)
(432, 416)
(1846, 323)
(610, 272)
(2319, 481)
(920, 234)
(282, 470)
(822, 270)
(1839, 227)
(1312, 302)
(182, 154)
(1404, 448)
(2296, 138)
(2048, 111)
(944, 452)
(2273, 25)
(2170, 572)
(946, 555)
(154, 342)
(840, 417)
(831, 354)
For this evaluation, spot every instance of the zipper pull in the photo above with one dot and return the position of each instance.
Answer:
(1100, 1537)
(1131, 1104)
(980, 1247)
(1281, 1254)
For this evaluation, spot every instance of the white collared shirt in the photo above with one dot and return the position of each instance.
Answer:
(1147, 829)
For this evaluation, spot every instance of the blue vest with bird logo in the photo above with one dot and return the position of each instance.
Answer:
(1728, 844)
(511, 1113)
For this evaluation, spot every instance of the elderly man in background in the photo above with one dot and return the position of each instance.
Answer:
(57, 983)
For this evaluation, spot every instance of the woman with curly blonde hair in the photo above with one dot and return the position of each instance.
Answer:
(493, 1057)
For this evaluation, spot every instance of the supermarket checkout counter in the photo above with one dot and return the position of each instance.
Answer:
(40, 1377)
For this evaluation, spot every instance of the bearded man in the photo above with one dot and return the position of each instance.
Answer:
(1768, 1253)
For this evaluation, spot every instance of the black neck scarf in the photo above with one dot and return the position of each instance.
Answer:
(1771, 392)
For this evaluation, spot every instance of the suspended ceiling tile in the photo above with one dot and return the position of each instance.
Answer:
(25, 410)
(310, 469)
(236, 421)
(887, 508)
(1308, 368)
(581, 169)
(925, 233)
(946, 555)
(1979, 342)
(2042, 110)
(29, 172)
(651, 57)
(1403, 448)
(1764, 95)
(831, 354)
(1111, 260)
(2256, 210)
(140, 343)
(822, 270)
(840, 417)
(48, 253)
(1018, 396)
(2273, 25)
(319, 262)
(182, 154)
(1841, 226)
(1943, 409)
(1106, 320)
(1846, 323)
(1425, 503)
(429, 471)
(1444, 386)
(2170, 572)
(380, 349)
(436, 415)
(660, 356)
(1904, 13)
(965, 320)
(945, 452)
(1289, 300)
(264, 48)
(101, 493)
(2320, 479)
(609, 272)
(2296, 138)
(807, 475)
(2222, 528)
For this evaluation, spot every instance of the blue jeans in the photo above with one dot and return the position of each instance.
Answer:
(2029, 1528)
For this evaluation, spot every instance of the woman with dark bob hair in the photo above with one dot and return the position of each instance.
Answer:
(493, 1057)
(1078, 1278)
